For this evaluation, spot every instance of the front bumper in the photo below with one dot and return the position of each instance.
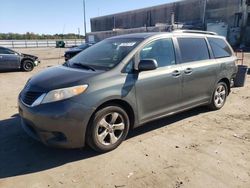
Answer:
(61, 124)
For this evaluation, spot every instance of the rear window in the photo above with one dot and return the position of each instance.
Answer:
(193, 49)
(220, 48)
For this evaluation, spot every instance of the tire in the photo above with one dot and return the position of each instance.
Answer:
(108, 129)
(219, 96)
(27, 65)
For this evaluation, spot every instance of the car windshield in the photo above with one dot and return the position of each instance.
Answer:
(104, 55)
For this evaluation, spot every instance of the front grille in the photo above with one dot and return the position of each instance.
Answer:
(30, 97)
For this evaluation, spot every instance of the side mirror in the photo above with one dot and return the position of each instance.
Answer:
(147, 65)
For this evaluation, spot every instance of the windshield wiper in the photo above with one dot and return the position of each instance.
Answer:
(84, 66)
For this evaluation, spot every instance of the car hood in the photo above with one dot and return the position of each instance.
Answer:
(59, 77)
(29, 56)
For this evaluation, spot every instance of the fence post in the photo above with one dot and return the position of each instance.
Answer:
(37, 44)
(12, 42)
(47, 43)
(25, 44)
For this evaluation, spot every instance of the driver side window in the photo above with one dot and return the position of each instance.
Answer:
(161, 50)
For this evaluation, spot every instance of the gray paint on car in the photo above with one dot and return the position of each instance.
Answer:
(150, 94)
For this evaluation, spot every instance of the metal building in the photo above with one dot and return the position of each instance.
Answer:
(227, 17)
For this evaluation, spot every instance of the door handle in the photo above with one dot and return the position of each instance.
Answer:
(176, 73)
(188, 71)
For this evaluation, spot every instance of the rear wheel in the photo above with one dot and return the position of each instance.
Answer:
(108, 129)
(219, 96)
(27, 65)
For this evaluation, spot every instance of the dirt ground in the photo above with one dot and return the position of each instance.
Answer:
(197, 148)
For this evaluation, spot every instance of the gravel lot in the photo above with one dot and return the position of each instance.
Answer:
(197, 148)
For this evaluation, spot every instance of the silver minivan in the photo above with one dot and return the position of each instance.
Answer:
(123, 82)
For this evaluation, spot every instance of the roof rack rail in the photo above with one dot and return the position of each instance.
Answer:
(196, 31)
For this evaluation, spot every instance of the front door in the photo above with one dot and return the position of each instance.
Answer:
(158, 92)
(9, 59)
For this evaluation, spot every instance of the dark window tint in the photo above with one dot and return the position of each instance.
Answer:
(219, 47)
(248, 19)
(161, 50)
(1, 51)
(193, 49)
(5, 51)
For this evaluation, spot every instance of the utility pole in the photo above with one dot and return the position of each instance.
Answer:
(204, 14)
(84, 17)
(114, 23)
(78, 33)
(244, 22)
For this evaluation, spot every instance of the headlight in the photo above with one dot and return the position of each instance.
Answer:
(62, 94)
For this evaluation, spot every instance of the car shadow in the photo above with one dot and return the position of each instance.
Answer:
(20, 155)
(10, 71)
(157, 124)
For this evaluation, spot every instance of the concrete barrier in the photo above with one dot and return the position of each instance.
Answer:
(38, 43)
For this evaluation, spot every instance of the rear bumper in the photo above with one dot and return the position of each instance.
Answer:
(62, 124)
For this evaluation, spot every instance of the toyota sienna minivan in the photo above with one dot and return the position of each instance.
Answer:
(123, 82)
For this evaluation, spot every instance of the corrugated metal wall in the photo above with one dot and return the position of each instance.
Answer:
(189, 11)
(150, 16)
(223, 10)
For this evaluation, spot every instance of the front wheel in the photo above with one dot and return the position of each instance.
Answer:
(219, 96)
(27, 66)
(108, 129)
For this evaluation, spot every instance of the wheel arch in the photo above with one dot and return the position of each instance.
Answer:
(25, 59)
(121, 103)
(227, 82)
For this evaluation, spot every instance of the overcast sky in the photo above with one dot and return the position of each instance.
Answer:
(60, 16)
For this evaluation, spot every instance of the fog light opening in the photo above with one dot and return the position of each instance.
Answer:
(59, 137)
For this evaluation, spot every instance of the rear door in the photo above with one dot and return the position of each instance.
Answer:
(224, 56)
(158, 92)
(3, 63)
(199, 70)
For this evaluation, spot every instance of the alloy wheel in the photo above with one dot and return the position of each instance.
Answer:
(28, 66)
(110, 128)
(220, 96)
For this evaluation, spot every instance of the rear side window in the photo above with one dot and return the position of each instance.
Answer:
(220, 48)
(193, 49)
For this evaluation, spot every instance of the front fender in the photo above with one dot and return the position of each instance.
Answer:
(100, 91)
